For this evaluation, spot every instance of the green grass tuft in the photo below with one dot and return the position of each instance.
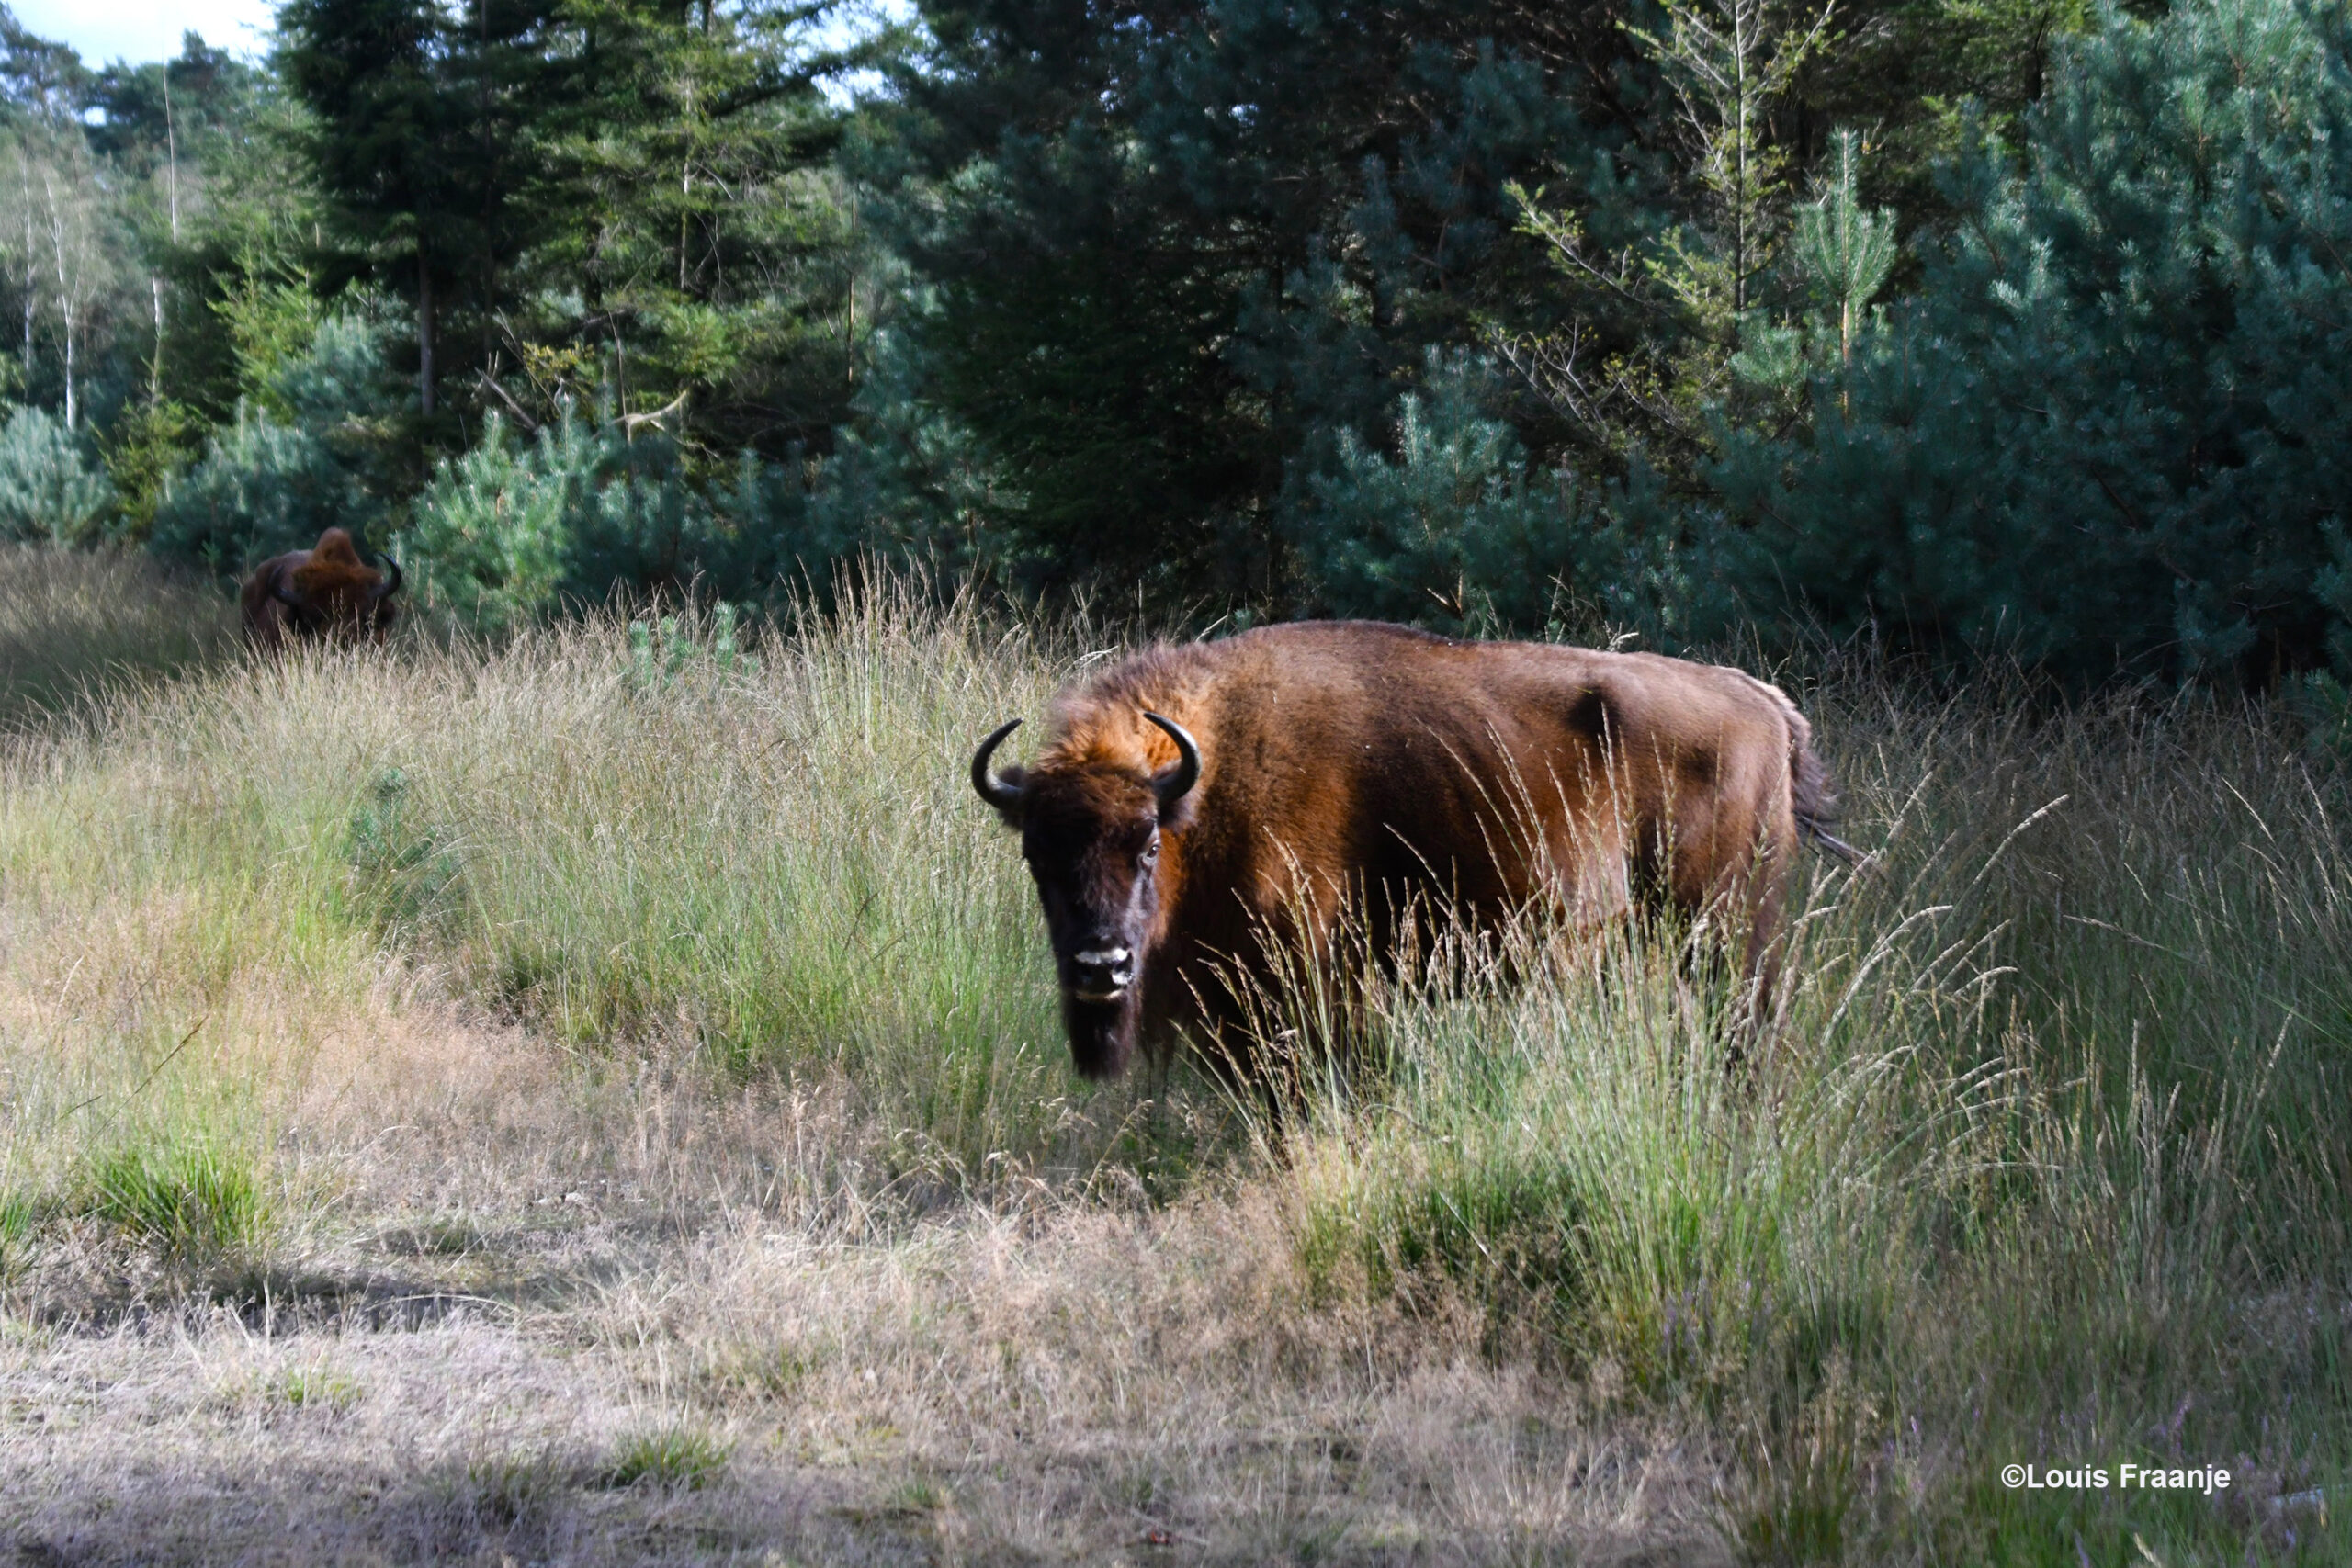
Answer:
(673, 1457)
(194, 1197)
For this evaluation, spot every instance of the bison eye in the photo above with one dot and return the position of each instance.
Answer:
(1151, 848)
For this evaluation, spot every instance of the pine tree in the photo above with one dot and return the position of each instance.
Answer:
(1173, 254)
(420, 147)
(692, 211)
(2109, 430)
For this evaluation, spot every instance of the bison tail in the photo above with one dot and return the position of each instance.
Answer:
(1812, 796)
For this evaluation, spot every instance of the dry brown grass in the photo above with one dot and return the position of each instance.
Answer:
(541, 1197)
(536, 1104)
(521, 1273)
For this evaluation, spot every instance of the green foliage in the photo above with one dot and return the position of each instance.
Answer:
(905, 480)
(399, 868)
(1460, 533)
(1728, 64)
(419, 134)
(1170, 262)
(272, 482)
(1169, 303)
(490, 537)
(16, 1224)
(185, 1191)
(1837, 259)
(46, 490)
(1455, 532)
(228, 220)
(694, 239)
(313, 1388)
(678, 1459)
(510, 530)
(1844, 254)
(273, 322)
(1172, 258)
(263, 489)
(144, 450)
(660, 651)
(2108, 429)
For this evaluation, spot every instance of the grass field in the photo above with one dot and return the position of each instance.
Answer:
(600, 1100)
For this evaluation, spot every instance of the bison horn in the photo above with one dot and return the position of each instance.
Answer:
(281, 588)
(999, 792)
(389, 579)
(1177, 782)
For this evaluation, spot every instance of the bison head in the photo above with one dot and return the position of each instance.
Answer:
(1091, 833)
(333, 594)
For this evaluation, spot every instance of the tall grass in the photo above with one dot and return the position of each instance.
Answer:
(2054, 1131)
(2045, 1161)
(72, 621)
(770, 862)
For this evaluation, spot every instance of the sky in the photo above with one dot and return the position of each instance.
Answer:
(104, 31)
(141, 31)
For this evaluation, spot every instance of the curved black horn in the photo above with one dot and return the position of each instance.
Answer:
(281, 589)
(1178, 782)
(389, 579)
(995, 790)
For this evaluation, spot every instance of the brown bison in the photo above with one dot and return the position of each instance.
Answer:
(1195, 800)
(323, 592)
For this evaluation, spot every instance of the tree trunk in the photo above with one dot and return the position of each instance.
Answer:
(424, 333)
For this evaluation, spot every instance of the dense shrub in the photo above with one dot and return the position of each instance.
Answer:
(263, 488)
(1457, 531)
(2110, 427)
(492, 535)
(1454, 531)
(512, 529)
(305, 454)
(47, 491)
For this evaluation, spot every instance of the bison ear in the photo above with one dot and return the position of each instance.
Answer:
(1177, 813)
(1015, 778)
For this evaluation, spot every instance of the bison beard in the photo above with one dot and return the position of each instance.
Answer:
(1196, 800)
(1102, 1034)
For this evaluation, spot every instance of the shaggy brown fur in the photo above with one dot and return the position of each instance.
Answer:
(1353, 765)
(323, 592)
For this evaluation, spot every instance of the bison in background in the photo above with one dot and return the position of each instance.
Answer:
(1195, 800)
(324, 591)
